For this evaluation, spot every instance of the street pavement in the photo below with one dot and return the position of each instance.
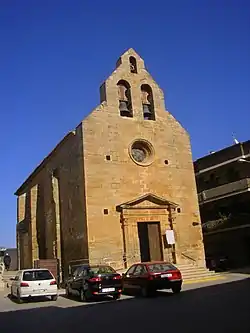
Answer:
(215, 306)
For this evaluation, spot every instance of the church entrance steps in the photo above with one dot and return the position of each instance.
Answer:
(192, 272)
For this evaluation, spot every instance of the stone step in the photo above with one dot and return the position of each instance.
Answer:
(201, 275)
(201, 271)
(192, 272)
(186, 269)
(196, 272)
(183, 267)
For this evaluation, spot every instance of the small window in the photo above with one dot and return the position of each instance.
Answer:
(138, 270)
(125, 102)
(105, 211)
(80, 272)
(166, 161)
(178, 210)
(155, 268)
(133, 65)
(76, 272)
(131, 270)
(108, 157)
(96, 270)
(147, 102)
(37, 275)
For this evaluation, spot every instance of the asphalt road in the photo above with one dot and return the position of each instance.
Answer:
(222, 306)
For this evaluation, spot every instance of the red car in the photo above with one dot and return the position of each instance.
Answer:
(148, 277)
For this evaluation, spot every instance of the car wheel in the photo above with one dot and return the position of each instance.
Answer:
(176, 290)
(54, 298)
(116, 297)
(83, 297)
(68, 293)
(19, 299)
(144, 292)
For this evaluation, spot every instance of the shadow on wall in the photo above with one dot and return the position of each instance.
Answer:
(217, 308)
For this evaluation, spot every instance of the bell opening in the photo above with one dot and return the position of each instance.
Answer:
(147, 112)
(124, 109)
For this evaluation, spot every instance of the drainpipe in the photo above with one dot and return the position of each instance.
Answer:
(124, 242)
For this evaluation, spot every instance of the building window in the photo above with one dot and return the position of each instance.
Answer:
(147, 102)
(178, 210)
(133, 65)
(142, 152)
(108, 157)
(166, 161)
(124, 95)
(105, 211)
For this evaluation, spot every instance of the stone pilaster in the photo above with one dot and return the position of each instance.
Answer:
(33, 227)
(55, 189)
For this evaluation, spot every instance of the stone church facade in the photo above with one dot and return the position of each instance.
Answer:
(111, 188)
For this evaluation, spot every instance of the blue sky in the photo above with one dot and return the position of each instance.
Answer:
(55, 54)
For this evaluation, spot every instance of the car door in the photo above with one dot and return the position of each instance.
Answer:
(140, 277)
(78, 281)
(73, 280)
(128, 278)
(15, 283)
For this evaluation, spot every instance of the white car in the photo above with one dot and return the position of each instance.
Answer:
(34, 283)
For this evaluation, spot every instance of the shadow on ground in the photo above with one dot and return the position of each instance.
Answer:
(243, 270)
(218, 308)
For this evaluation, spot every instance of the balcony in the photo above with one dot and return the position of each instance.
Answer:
(224, 190)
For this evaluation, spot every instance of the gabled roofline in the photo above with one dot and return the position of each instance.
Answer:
(149, 196)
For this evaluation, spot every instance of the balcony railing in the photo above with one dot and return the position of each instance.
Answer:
(224, 190)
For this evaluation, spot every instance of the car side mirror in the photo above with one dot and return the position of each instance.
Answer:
(12, 279)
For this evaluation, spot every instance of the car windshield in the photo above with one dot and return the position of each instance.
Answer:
(101, 270)
(164, 267)
(37, 275)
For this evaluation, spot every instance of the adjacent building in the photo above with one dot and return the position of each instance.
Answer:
(223, 184)
(114, 186)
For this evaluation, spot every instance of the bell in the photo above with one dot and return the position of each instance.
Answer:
(124, 111)
(146, 112)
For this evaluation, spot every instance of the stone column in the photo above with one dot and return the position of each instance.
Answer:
(20, 217)
(33, 227)
(55, 189)
(49, 216)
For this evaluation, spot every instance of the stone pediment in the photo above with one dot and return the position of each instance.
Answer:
(147, 201)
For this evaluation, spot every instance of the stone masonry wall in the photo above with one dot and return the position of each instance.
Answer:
(111, 182)
(57, 194)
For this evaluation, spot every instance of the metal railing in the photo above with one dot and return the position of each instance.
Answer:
(189, 258)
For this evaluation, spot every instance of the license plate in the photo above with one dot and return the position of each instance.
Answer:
(166, 275)
(107, 290)
(39, 291)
